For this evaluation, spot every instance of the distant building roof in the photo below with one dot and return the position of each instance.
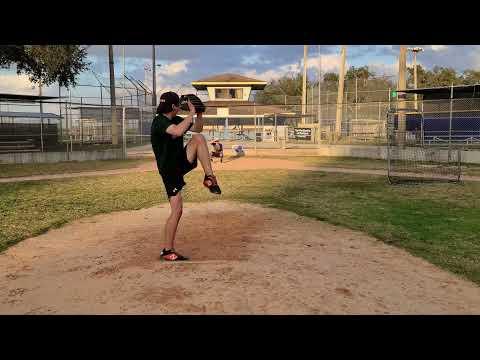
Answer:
(229, 79)
(444, 92)
(20, 97)
(247, 108)
(30, 115)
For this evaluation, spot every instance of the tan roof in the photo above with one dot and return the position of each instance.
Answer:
(229, 79)
(242, 108)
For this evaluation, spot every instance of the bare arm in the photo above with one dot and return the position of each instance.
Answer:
(180, 129)
(198, 127)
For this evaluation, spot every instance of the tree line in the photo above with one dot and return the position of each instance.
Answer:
(46, 64)
(368, 85)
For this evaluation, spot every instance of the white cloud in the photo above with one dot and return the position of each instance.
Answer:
(173, 68)
(254, 59)
(330, 63)
(166, 72)
(178, 88)
(273, 74)
(12, 83)
(476, 59)
(382, 69)
(438, 47)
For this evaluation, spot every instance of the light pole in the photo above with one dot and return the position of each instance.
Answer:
(319, 109)
(304, 83)
(341, 84)
(154, 80)
(415, 50)
(41, 113)
(113, 100)
(149, 68)
(401, 85)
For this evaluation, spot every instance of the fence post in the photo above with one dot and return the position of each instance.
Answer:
(101, 105)
(255, 121)
(275, 123)
(124, 140)
(450, 125)
(423, 127)
(41, 115)
(68, 154)
(66, 119)
(141, 125)
(41, 126)
(81, 121)
(60, 111)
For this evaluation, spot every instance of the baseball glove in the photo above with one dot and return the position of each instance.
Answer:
(195, 100)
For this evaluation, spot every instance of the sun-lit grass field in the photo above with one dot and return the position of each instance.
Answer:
(438, 222)
(18, 170)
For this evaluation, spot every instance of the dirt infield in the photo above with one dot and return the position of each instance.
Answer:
(246, 259)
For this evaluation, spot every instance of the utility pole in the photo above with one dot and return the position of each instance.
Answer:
(41, 113)
(341, 83)
(113, 109)
(402, 84)
(415, 50)
(304, 86)
(154, 78)
(356, 97)
(319, 109)
(60, 110)
(123, 67)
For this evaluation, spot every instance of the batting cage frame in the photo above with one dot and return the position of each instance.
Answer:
(411, 155)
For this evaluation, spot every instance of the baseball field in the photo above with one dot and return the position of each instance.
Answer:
(288, 235)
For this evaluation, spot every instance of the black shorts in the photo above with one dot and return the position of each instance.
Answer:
(173, 179)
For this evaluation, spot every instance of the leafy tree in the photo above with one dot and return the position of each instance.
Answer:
(330, 77)
(360, 73)
(438, 76)
(276, 90)
(471, 77)
(46, 63)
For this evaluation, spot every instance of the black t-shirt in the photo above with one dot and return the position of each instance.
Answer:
(167, 150)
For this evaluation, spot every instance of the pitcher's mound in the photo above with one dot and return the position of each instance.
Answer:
(245, 260)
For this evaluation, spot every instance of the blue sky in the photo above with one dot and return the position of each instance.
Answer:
(183, 64)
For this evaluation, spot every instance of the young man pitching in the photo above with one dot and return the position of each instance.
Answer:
(174, 160)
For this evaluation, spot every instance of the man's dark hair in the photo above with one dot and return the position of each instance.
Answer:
(167, 99)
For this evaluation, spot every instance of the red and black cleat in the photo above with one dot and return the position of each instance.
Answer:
(210, 181)
(171, 255)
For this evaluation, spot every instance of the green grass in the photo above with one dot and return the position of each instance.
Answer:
(16, 170)
(330, 161)
(357, 163)
(438, 222)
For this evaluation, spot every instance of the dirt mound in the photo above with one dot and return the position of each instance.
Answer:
(245, 260)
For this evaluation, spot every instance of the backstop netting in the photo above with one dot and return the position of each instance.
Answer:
(417, 151)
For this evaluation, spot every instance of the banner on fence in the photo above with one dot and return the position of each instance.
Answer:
(300, 133)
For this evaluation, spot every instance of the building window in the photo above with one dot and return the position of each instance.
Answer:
(226, 93)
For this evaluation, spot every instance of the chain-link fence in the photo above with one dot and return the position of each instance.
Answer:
(411, 154)
(79, 126)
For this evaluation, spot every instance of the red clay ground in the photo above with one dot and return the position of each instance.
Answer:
(245, 260)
